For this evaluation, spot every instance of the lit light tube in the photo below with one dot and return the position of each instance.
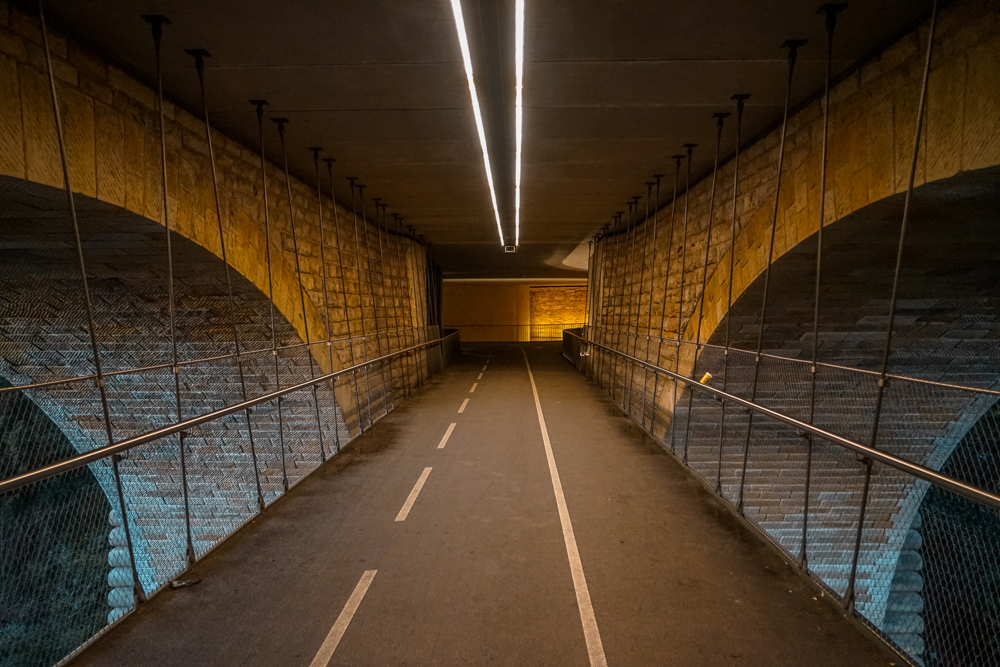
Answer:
(519, 65)
(463, 40)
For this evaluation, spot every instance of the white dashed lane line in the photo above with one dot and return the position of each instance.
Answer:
(474, 385)
(412, 498)
(447, 434)
(322, 658)
(462, 409)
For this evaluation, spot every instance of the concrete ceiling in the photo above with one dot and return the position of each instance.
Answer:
(612, 90)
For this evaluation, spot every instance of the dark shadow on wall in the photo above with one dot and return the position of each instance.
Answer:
(948, 318)
(53, 543)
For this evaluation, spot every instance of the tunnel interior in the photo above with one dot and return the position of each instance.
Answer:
(436, 206)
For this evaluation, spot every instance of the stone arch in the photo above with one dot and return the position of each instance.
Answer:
(44, 337)
(947, 331)
(872, 116)
(111, 124)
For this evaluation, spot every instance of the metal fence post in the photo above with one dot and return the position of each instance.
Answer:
(883, 381)
(720, 118)
(740, 98)
(199, 56)
(137, 591)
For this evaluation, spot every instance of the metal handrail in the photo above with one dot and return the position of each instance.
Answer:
(967, 490)
(193, 362)
(808, 362)
(37, 475)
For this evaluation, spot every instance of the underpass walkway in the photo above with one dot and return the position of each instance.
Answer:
(487, 522)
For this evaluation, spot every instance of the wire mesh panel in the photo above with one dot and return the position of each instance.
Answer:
(153, 489)
(54, 551)
(774, 482)
(960, 597)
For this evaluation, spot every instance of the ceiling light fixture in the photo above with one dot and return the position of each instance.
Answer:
(519, 65)
(463, 41)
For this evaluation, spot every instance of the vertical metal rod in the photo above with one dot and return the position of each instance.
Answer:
(326, 292)
(281, 122)
(587, 304)
(638, 309)
(629, 277)
(137, 591)
(199, 56)
(361, 304)
(663, 307)
(625, 315)
(720, 119)
(830, 11)
(270, 290)
(849, 597)
(385, 310)
(392, 294)
(422, 367)
(371, 290)
(615, 305)
(649, 312)
(405, 303)
(793, 49)
(680, 294)
(740, 100)
(343, 288)
(157, 22)
(602, 299)
(405, 359)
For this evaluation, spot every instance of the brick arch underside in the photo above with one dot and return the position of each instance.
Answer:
(947, 330)
(44, 336)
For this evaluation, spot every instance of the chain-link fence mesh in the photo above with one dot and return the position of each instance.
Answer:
(922, 572)
(66, 558)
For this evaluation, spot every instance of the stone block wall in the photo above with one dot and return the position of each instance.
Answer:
(946, 322)
(871, 132)
(559, 304)
(112, 133)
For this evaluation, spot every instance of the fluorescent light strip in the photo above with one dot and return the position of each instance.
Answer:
(463, 41)
(519, 65)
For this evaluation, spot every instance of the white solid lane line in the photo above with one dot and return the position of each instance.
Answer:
(322, 658)
(447, 434)
(590, 632)
(413, 495)
(480, 377)
(462, 409)
(474, 385)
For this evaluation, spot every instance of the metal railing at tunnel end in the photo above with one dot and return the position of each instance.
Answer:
(512, 333)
